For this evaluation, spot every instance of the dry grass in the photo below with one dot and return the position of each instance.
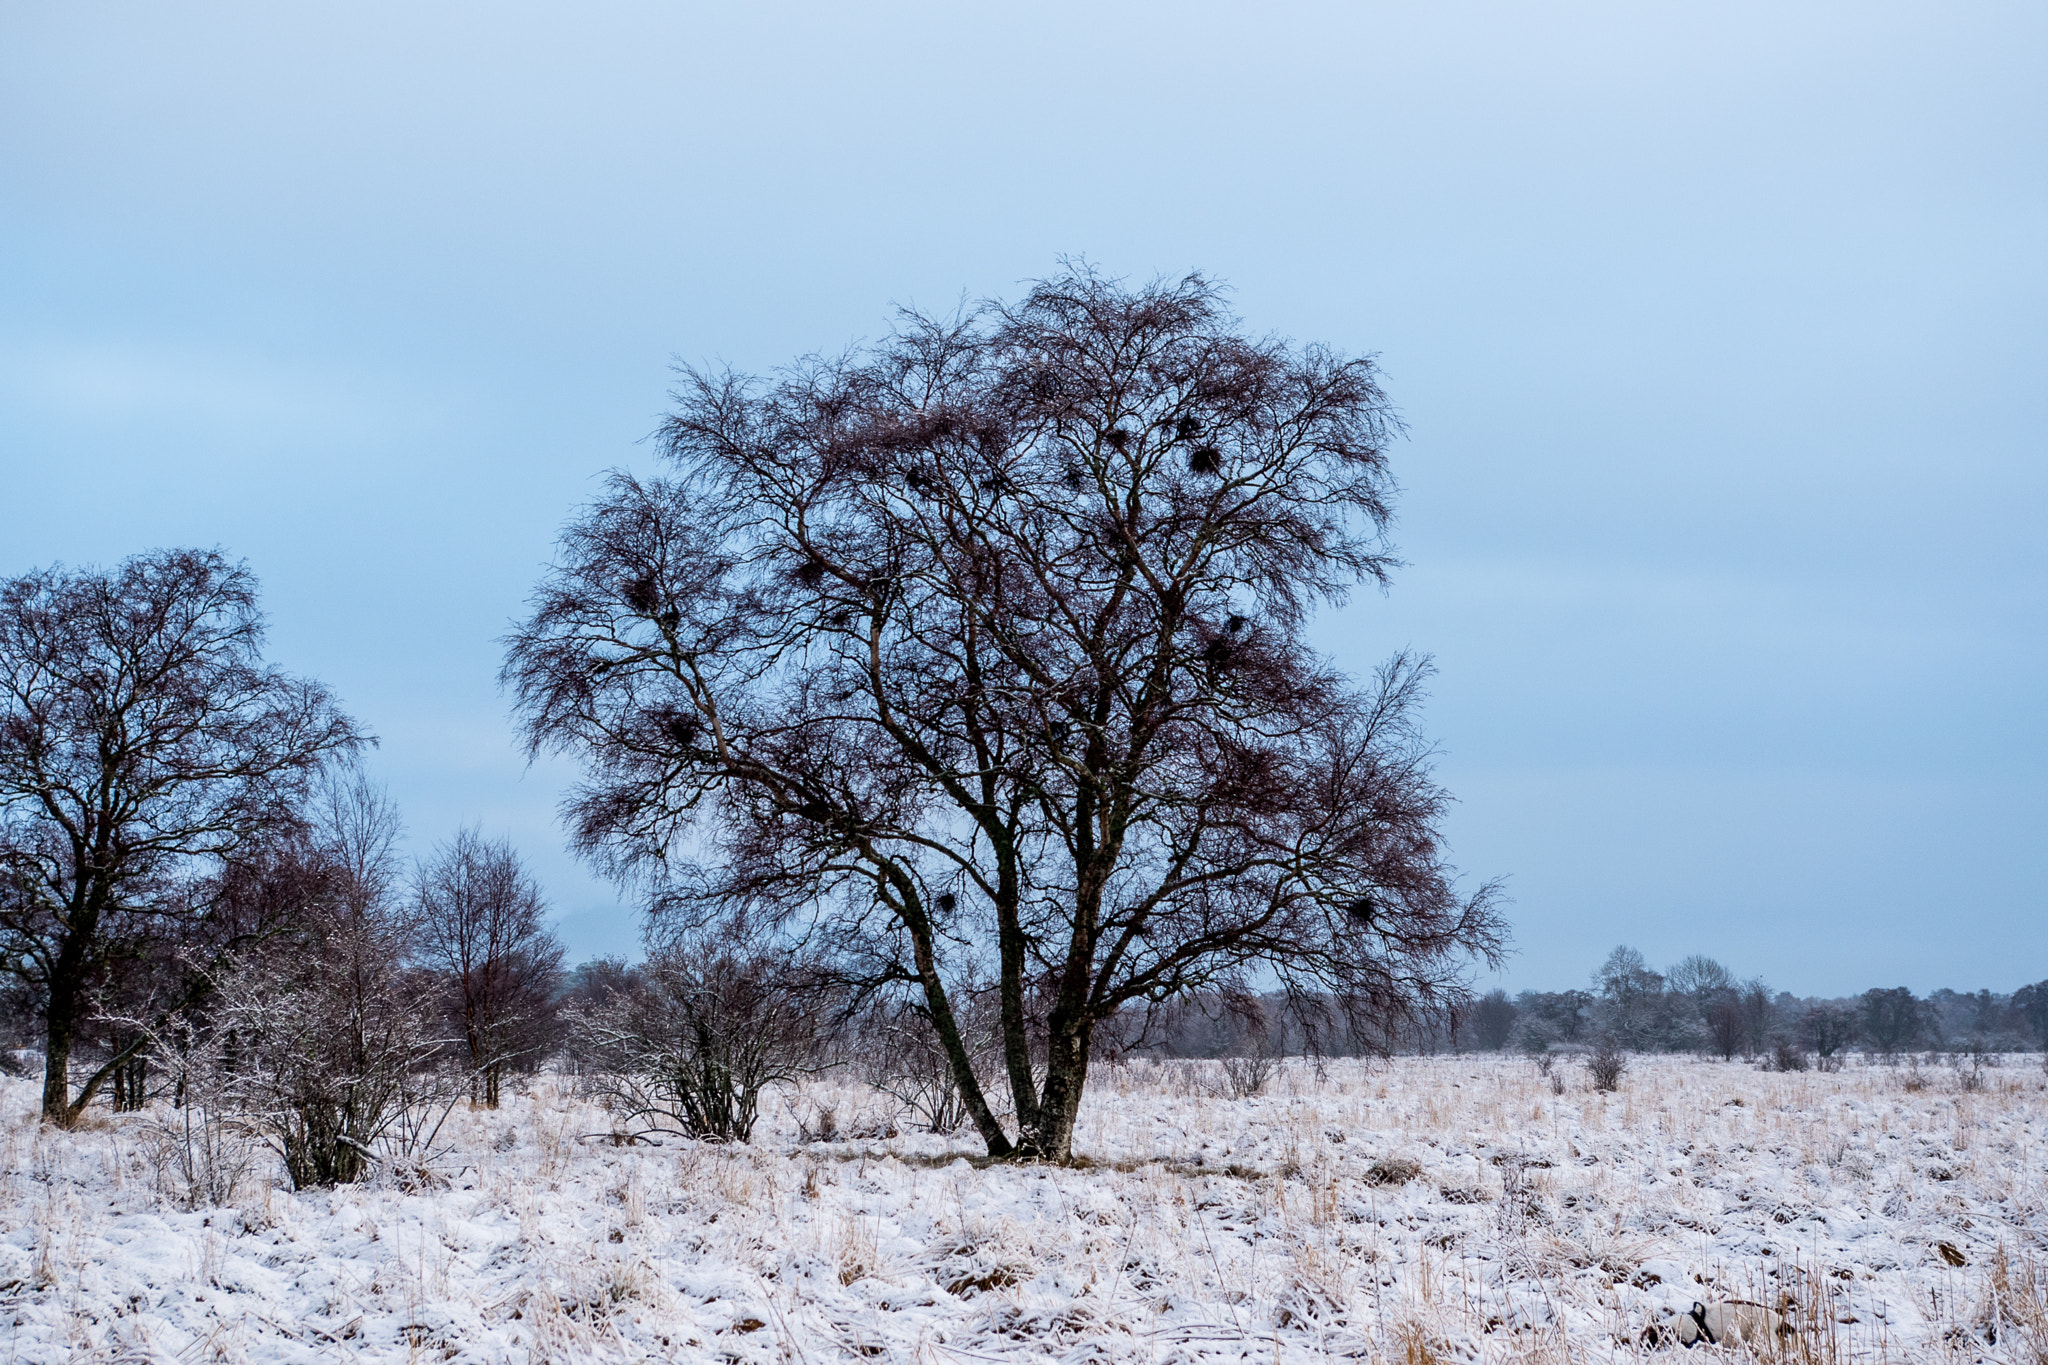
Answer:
(1451, 1209)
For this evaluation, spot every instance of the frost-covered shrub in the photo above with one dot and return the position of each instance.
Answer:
(1605, 1065)
(320, 1047)
(200, 1154)
(313, 1035)
(691, 1040)
(1249, 1074)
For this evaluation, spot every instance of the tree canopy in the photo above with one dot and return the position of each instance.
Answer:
(979, 654)
(143, 740)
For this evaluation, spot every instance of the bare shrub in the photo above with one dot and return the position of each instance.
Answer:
(322, 1049)
(689, 1042)
(201, 1155)
(1787, 1055)
(1248, 1075)
(1971, 1061)
(1605, 1064)
(314, 1038)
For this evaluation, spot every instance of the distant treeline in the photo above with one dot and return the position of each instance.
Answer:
(1699, 1005)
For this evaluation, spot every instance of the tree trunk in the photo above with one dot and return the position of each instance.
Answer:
(1051, 1137)
(1013, 949)
(965, 1082)
(67, 989)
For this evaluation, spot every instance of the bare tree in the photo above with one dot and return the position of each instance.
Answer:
(482, 926)
(691, 1040)
(142, 740)
(984, 651)
(1630, 996)
(314, 1033)
(1726, 1027)
(1700, 979)
(1827, 1029)
(1494, 1016)
(1563, 1013)
(1758, 1016)
(2030, 1003)
(1892, 1018)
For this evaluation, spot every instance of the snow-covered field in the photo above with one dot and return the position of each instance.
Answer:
(1904, 1214)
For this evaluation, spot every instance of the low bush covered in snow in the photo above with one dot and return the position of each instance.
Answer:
(1446, 1209)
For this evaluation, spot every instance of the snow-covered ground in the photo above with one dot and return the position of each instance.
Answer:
(1905, 1215)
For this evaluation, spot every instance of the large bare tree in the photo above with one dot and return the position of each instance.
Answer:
(143, 740)
(983, 650)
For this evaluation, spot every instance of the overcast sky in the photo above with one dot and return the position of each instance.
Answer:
(1718, 330)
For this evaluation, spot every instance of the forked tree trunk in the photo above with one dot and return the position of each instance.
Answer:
(1050, 1137)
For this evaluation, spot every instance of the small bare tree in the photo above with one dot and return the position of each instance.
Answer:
(482, 928)
(690, 1041)
(1251, 1068)
(1493, 1019)
(1892, 1019)
(1827, 1029)
(315, 1035)
(1725, 1026)
(1759, 1015)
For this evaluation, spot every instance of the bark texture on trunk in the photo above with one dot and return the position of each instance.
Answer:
(57, 1063)
(66, 1003)
(1050, 1134)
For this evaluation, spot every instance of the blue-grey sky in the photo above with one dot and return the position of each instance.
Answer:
(1719, 330)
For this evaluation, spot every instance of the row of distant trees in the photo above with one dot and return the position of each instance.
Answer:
(1699, 1005)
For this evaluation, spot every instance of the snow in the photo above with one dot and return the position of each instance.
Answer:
(1540, 1226)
